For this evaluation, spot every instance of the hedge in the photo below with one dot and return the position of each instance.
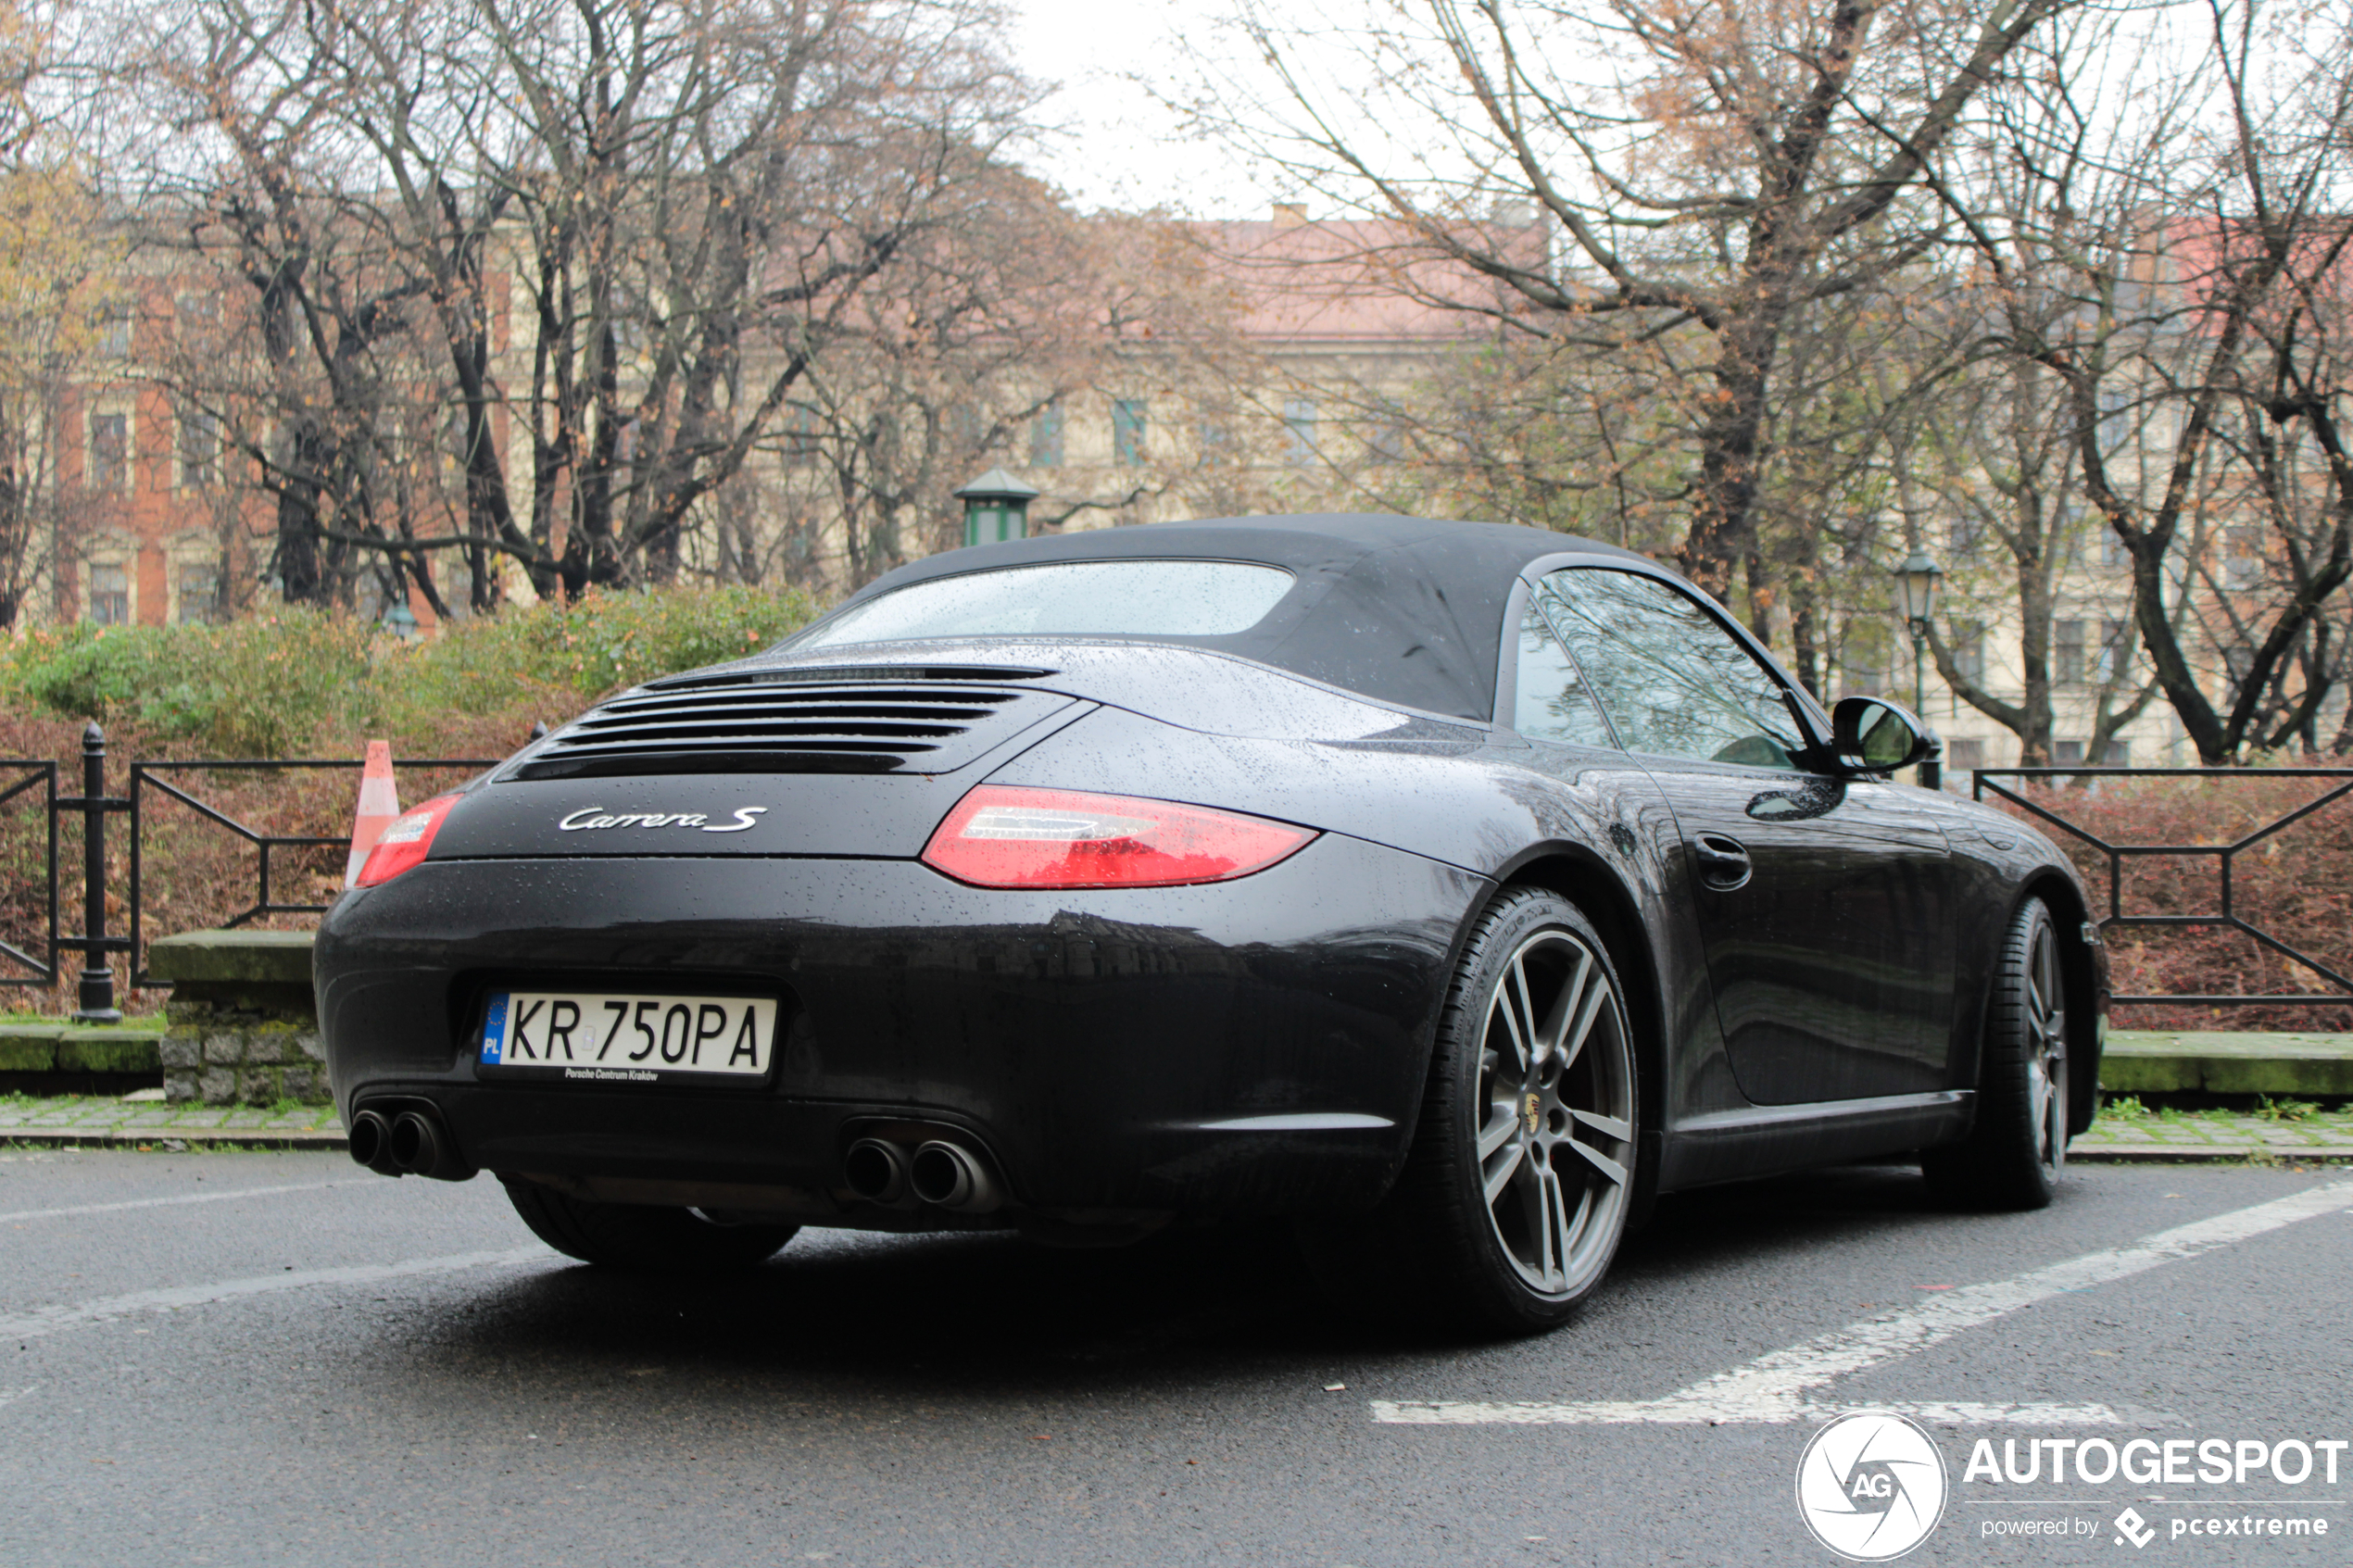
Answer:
(298, 682)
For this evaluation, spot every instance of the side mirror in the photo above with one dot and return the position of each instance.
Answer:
(1871, 734)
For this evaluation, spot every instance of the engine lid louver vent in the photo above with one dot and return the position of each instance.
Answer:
(852, 727)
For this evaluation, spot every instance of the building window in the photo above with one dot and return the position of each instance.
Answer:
(2113, 555)
(110, 594)
(801, 436)
(114, 333)
(199, 594)
(2238, 664)
(2067, 655)
(2242, 557)
(1298, 432)
(1216, 444)
(1969, 652)
(2117, 754)
(1863, 658)
(1966, 533)
(967, 429)
(2066, 753)
(2116, 651)
(1387, 442)
(1046, 437)
(2115, 423)
(1128, 424)
(199, 449)
(109, 466)
(1961, 756)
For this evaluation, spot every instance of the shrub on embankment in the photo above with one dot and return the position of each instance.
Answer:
(299, 683)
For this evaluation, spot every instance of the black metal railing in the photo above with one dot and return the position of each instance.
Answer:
(94, 805)
(21, 774)
(147, 776)
(2227, 914)
(149, 779)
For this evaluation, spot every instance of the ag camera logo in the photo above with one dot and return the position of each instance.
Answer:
(1871, 1486)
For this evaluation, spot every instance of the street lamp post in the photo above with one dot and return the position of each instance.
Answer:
(996, 507)
(1917, 579)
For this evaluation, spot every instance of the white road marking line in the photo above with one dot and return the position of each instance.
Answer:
(1774, 1388)
(190, 1198)
(1968, 1412)
(10, 1396)
(44, 1320)
(1604, 1412)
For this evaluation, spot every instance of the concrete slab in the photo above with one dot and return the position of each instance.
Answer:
(2217, 1062)
(232, 957)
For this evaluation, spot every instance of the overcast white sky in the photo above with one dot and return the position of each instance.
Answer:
(1122, 150)
(1118, 149)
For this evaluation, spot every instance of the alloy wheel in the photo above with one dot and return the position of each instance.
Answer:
(1555, 1147)
(2045, 1001)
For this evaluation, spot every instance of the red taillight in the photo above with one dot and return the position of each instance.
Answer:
(404, 844)
(1000, 837)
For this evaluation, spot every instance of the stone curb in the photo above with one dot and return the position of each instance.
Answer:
(2205, 1153)
(33, 1051)
(2193, 1062)
(194, 1137)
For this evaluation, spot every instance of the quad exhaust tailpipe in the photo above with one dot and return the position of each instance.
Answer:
(951, 1176)
(875, 1169)
(371, 1143)
(409, 1143)
(944, 1172)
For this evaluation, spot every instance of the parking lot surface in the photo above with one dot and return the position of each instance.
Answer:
(276, 1357)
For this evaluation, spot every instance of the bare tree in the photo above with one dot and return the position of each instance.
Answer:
(305, 358)
(1993, 460)
(583, 249)
(56, 257)
(1717, 172)
(2177, 272)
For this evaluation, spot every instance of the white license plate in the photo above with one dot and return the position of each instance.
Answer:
(608, 1037)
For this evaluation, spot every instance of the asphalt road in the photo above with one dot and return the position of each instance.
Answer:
(340, 1369)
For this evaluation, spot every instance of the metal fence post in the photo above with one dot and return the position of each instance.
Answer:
(97, 975)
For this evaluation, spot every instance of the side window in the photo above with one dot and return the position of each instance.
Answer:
(1672, 680)
(1553, 703)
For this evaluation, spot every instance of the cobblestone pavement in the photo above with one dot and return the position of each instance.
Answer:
(2126, 1129)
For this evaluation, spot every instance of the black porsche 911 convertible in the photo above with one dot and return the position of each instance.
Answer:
(1455, 888)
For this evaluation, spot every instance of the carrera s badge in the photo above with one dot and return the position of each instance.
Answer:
(590, 817)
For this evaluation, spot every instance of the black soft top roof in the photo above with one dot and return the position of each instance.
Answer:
(1406, 610)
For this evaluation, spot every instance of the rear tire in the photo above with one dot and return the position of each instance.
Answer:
(2017, 1150)
(641, 1237)
(1521, 1177)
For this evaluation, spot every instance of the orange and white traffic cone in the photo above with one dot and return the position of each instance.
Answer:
(379, 808)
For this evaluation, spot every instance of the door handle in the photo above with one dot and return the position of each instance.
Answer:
(1724, 864)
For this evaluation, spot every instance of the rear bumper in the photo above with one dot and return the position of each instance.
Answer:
(1251, 1046)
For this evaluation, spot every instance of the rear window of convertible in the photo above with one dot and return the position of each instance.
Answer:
(1116, 598)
